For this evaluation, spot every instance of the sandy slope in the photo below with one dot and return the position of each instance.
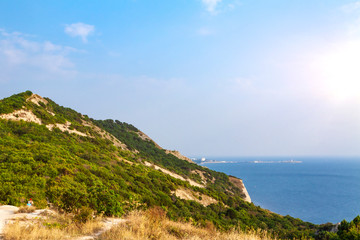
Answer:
(6, 213)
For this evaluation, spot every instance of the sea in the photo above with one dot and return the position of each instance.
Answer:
(314, 189)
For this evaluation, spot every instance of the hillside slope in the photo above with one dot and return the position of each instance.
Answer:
(57, 156)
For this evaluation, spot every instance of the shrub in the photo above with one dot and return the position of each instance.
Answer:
(26, 209)
(84, 215)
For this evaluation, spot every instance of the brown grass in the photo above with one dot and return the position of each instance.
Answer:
(138, 225)
(26, 209)
(153, 225)
(50, 226)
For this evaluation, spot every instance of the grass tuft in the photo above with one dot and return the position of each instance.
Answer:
(26, 209)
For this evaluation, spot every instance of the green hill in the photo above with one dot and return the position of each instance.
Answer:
(59, 157)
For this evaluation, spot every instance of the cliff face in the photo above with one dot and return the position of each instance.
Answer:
(240, 184)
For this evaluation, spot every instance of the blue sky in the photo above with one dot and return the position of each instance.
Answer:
(206, 77)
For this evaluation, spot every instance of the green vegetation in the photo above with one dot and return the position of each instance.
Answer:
(346, 231)
(15, 102)
(74, 172)
(148, 150)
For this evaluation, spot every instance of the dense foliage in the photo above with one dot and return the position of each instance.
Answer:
(72, 171)
(346, 231)
(15, 102)
(148, 150)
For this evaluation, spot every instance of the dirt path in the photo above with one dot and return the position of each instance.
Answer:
(6, 212)
(108, 223)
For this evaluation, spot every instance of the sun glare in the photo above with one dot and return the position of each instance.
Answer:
(339, 72)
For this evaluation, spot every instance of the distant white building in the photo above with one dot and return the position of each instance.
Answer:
(203, 159)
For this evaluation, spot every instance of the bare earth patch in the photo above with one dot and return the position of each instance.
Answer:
(22, 114)
(37, 99)
(187, 194)
(174, 175)
(65, 128)
(6, 212)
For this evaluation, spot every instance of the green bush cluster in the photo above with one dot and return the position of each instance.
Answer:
(15, 102)
(346, 231)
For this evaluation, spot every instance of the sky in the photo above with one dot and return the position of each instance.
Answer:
(205, 77)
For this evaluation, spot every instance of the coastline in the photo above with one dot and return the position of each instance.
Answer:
(240, 184)
(247, 195)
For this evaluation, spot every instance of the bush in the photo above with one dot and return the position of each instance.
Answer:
(26, 209)
(84, 215)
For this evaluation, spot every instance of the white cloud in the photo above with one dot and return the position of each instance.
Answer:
(211, 5)
(215, 7)
(20, 52)
(81, 30)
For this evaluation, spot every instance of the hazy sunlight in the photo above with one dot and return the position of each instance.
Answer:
(339, 72)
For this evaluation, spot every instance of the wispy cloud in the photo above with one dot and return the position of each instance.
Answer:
(19, 51)
(81, 30)
(215, 7)
(211, 5)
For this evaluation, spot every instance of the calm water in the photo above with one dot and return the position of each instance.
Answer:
(318, 190)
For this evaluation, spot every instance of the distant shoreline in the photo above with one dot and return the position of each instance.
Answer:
(256, 162)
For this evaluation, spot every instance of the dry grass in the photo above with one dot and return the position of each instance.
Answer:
(50, 226)
(153, 225)
(19, 230)
(26, 209)
(139, 225)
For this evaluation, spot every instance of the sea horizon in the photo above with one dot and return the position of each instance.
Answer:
(320, 189)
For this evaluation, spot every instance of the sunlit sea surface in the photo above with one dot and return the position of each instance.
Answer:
(318, 190)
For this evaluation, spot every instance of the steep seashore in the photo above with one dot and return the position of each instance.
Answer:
(62, 158)
(240, 184)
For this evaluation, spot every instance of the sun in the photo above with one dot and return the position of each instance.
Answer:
(339, 71)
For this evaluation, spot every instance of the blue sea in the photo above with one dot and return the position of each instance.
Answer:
(317, 190)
